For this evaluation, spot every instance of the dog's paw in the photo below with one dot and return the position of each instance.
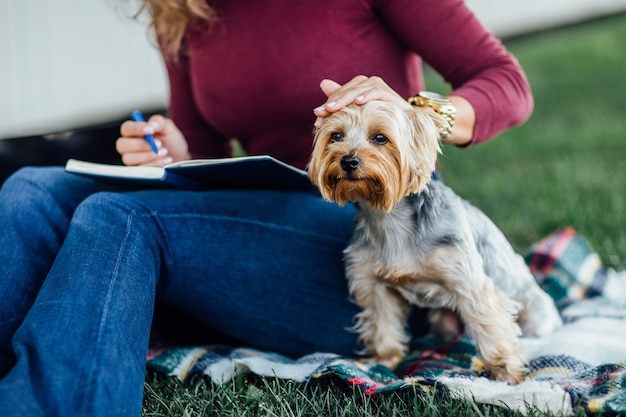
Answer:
(508, 376)
(390, 362)
(387, 344)
(510, 368)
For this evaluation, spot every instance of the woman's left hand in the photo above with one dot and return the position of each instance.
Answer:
(359, 90)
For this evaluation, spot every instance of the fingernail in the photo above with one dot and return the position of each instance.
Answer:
(331, 104)
(148, 130)
(359, 98)
(154, 124)
(318, 122)
(168, 160)
(158, 143)
(162, 152)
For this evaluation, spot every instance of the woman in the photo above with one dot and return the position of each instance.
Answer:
(83, 264)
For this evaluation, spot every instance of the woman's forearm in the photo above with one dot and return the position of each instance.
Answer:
(464, 122)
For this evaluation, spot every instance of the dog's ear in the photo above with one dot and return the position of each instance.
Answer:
(439, 120)
(425, 125)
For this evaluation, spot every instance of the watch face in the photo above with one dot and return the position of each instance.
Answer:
(428, 95)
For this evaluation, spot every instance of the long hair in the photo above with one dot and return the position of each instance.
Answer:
(171, 19)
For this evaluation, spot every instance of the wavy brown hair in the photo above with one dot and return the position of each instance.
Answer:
(170, 20)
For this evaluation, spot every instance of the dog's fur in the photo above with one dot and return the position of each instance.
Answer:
(417, 242)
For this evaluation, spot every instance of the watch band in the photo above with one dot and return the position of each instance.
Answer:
(440, 104)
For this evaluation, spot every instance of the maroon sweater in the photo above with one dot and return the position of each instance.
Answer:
(256, 75)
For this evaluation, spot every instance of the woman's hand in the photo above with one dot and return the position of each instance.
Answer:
(135, 150)
(359, 90)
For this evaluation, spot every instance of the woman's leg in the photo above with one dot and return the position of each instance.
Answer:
(36, 205)
(267, 269)
(262, 266)
(82, 346)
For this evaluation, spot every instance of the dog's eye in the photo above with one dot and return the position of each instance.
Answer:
(379, 139)
(336, 137)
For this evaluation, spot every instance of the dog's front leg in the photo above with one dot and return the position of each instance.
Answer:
(459, 283)
(381, 323)
(491, 323)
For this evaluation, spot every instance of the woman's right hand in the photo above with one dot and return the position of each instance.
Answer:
(135, 150)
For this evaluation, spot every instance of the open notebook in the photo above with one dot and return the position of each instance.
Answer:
(249, 172)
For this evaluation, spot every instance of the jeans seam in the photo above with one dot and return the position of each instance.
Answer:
(88, 399)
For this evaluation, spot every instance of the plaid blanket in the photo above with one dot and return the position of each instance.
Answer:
(582, 364)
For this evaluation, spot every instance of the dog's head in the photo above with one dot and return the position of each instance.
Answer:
(376, 153)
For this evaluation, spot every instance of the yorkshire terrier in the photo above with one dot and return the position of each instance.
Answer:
(417, 242)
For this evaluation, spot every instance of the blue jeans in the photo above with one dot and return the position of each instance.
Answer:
(83, 264)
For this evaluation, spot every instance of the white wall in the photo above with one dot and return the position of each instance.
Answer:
(67, 63)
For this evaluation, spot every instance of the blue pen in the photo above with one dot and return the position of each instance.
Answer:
(138, 117)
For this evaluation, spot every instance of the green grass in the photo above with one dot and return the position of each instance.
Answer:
(564, 167)
(254, 396)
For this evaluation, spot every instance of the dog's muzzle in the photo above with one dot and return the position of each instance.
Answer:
(349, 163)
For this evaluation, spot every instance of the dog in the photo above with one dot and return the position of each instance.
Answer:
(417, 242)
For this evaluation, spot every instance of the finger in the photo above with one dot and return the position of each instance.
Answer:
(318, 122)
(159, 123)
(128, 145)
(342, 99)
(354, 84)
(356, 81)
(329, 87)
(358, 89)
(336, 93)
(382, 94)
(151, 161)
(147, 158)
(136, 129)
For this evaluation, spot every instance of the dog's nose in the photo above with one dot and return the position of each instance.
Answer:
(350, 162)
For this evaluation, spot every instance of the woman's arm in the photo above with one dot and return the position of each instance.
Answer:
(464, 122)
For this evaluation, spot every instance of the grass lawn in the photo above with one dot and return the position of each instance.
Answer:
(564, 167)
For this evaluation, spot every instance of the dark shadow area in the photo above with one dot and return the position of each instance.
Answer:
(94, 143)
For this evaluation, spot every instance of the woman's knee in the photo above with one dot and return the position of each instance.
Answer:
(28, 200)
(45, 189)
(110, 212)
(36, 178)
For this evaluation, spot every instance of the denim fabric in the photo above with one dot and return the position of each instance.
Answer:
(82, 265)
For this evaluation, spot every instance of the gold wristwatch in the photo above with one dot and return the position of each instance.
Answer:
(438, 103)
